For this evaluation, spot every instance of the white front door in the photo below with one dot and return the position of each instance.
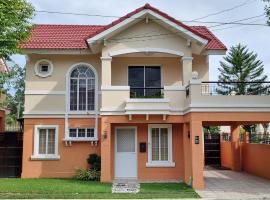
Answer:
(126, 153)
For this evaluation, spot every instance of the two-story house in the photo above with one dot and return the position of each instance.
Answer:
(133, 92)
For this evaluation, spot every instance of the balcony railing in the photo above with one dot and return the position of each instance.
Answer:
(146, 92)
(212, 88)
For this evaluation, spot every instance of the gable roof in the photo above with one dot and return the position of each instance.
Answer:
(75, 36)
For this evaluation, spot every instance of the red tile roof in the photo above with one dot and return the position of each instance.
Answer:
(74, 36)
(214, 43)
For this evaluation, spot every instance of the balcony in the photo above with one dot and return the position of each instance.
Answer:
(225, 97)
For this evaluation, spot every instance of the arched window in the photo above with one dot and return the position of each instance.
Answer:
(82, 88)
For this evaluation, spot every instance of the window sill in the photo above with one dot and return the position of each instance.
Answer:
(80, 139)
(45, 157)
(160, 164)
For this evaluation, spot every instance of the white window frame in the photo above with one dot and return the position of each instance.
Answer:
(152, 163)
(95, 138)
(41, 74)
(145, 66)
(95, 111)
(36, 155)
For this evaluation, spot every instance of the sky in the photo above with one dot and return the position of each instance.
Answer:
(257, 38)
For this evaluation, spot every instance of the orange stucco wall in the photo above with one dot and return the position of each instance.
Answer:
(255, 159)
(157, 173)
(226, 154)
(70, 157)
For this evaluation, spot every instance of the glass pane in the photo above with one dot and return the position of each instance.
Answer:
(90, 132)
(152, 79)
(125, 140)
(73, 132)
(81, 132)
(155, 144)
(136, 79)
(42, 141)
(74, 73)
(73, 94)
(164, 144)
(90, 73)
(91, 94)
(51, 141)
(82, 94)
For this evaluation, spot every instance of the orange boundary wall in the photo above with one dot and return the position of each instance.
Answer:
(226, 154)
(255, 159)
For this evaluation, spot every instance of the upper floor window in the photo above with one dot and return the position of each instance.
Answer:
(145, 81)
(82, 88)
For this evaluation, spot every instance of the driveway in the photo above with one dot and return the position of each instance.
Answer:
(226, 184)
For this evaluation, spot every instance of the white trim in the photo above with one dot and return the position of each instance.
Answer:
(36, 154)
(168, 163)
(174, 88)
(215, 52)
(44, 92)
(145, 50)
(106, 58)
(43, 75)
(187, 58)
(195, 82)
(115, 88)
(136, 144)
(148, 100)
(68, 85)
(120, 26)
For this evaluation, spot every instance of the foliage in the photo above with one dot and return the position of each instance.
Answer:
(211, 129)
(241, 65)
(87, 175)
(94, 161)
(267, 10)
(15, 26)
(12, 83)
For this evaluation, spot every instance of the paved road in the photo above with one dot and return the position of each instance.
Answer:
(226, 184)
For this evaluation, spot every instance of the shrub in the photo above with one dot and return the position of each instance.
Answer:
(94, 161)
(87, 175)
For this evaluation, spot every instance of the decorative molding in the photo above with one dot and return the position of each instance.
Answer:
(154, 100)
(138, 17)
(215, 52)
(115, 88)
(44, 92)
(146, 50)
(174, 88)
(108, 58)
(195, 82)
(40, 74)
(187, 58)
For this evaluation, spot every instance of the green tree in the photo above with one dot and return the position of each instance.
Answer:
(211, 129)
(241, 66)
(15, 25)
(14, 87)
(267, 10)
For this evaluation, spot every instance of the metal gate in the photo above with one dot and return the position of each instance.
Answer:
(212, 149)
(11, 154)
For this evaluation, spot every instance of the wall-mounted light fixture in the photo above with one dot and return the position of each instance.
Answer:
(105, 135)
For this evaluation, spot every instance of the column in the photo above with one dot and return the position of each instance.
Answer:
(187, 154)
(197, 154)
(106, 149)
(106, 71)
(187, 69)
(235, 146)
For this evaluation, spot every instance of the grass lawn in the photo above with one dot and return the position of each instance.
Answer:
(69, 189)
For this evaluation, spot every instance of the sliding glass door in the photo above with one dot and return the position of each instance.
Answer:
(145, 81)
